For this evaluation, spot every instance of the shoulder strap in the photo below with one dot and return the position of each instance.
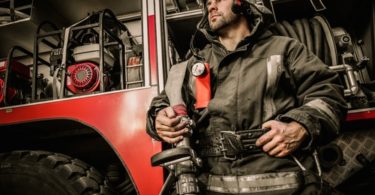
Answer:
(175, 79)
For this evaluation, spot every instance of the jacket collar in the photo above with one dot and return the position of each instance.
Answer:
(259, 21)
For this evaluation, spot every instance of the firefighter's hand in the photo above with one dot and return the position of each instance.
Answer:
(282, 138)
(169, 127)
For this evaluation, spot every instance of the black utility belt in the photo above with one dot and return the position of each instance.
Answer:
(233, 144)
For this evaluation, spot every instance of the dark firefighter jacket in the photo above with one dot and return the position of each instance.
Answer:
(267, 77)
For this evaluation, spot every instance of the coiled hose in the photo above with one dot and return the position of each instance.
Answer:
(315, 33)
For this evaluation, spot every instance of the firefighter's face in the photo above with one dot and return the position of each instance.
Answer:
(220, 15)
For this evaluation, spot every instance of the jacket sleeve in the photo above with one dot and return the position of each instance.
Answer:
(321, 104)
(159, 102)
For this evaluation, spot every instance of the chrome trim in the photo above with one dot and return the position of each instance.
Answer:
(160, 29)
(146, 52)
(73, 97)
(352, 86)
(130, 17)
(185, 14)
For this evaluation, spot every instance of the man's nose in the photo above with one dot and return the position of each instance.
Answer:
(212, 6)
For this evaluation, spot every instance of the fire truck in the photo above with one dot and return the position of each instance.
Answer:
(77, 77)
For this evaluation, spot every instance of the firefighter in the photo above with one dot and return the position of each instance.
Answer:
(273, 102)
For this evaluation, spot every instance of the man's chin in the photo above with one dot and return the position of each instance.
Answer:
(214, 28)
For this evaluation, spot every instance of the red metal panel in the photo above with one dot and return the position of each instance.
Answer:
(152, 49)
(363, 114)
(120, 117)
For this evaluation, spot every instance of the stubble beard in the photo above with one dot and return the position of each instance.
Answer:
(223, 22)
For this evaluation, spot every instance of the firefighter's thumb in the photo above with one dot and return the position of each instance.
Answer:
(170, 112)
(268, 124)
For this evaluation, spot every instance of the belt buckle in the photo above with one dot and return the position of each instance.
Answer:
(234, 141)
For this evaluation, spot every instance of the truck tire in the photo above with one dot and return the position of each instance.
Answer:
(41, 172)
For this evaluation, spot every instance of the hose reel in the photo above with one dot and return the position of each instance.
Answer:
(335, 47)
(315, 33)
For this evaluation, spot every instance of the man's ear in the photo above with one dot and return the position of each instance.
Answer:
(241, 6)
(237, 6)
